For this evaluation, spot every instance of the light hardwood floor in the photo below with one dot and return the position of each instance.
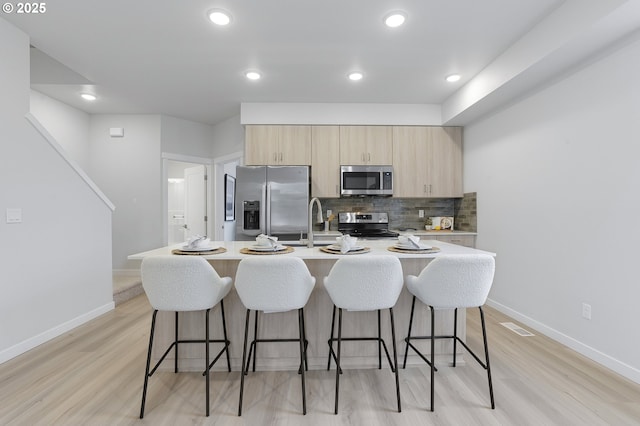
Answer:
(93, 376)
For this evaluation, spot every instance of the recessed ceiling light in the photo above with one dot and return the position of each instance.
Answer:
(453, 78)
(355, 76)
(395, 19)
(219, 17)
(88, 96)
(253, 75)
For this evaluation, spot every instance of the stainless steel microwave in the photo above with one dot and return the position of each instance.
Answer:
(366, 180)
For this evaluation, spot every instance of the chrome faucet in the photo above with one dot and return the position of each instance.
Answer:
(320, 220)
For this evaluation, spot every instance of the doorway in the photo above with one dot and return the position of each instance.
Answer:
(187, 201)
(225, 230)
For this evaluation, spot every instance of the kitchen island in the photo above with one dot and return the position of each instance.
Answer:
(317, 314)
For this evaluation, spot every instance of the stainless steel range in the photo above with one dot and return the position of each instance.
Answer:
(365, 225)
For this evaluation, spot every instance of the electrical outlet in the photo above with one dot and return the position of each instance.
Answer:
(586, 311)
(420, 213)
(329, 212)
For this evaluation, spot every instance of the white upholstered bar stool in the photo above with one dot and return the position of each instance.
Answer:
(364, 283)
(179, 284)
(452, 282)
(277, 283)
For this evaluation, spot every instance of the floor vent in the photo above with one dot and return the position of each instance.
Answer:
(517, 329)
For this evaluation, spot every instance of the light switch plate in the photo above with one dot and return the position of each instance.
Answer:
(14, 215)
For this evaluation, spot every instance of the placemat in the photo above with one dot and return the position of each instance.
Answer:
(199, 253)
(336, 251)
(247, 250)
(397, 250)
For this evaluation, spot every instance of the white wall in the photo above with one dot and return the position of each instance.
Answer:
(55, 266)
(128, 170)
(186, 137)
(228, 137)
(332, 113)
(68, 125)
(557, 177)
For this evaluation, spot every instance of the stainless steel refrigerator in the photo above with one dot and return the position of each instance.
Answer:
(271, 200)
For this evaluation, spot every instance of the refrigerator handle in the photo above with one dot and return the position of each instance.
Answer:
(266, 208)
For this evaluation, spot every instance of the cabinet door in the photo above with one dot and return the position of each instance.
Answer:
(294, 146)
(445, 165)
(366, 145)
(379, 145)
(410, 161)
(267, 145)
(353, 145)
(261, 145)
(325, 161)
(461, 240)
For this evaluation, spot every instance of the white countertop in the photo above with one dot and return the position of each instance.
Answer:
(376, 246)
(424, 232)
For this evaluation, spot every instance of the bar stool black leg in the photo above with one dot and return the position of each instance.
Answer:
(302, 359)
(255, 341)
(175, 367)
(486, 357)
(243, 367)
(379, 343)
(395, 357)
(146, 372)
(333, 321)
(338, 358)
(433, 360)
(224, 331)
(455, 334)
(408, 339)
(206, 342)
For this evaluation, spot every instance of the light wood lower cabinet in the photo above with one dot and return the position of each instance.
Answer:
(325, 161)
(461, 240)
(267, 145)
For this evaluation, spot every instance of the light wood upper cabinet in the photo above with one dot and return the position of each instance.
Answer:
(274, 145)
(427, 161)
(325, 161)
(445, 166)
(366, 145)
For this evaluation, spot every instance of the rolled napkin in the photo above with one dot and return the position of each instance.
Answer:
(198, 242)
(346, 243)
(266, 240)
(410, 240)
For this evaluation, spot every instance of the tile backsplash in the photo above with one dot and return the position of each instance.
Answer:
(403, 212)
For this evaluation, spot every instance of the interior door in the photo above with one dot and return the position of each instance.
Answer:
(195, 201)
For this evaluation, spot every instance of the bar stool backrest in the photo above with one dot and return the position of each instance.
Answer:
(365, 282)
(182, 283)
(454, 281)
(273, 283)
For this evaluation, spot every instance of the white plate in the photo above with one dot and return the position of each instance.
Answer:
(412, 247)
(338, 248)
(187, 248)
(267, 248)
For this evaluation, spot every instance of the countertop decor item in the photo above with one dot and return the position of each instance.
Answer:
(284, 250)
(199, 252)
(337, 250)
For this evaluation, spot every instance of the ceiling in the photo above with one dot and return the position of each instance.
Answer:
(166, 57)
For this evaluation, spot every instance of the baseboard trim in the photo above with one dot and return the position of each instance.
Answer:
(126, 272)
(601, 358)
(52, 333)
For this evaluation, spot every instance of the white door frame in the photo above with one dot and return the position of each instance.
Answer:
(218, 190)
(208, 163)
